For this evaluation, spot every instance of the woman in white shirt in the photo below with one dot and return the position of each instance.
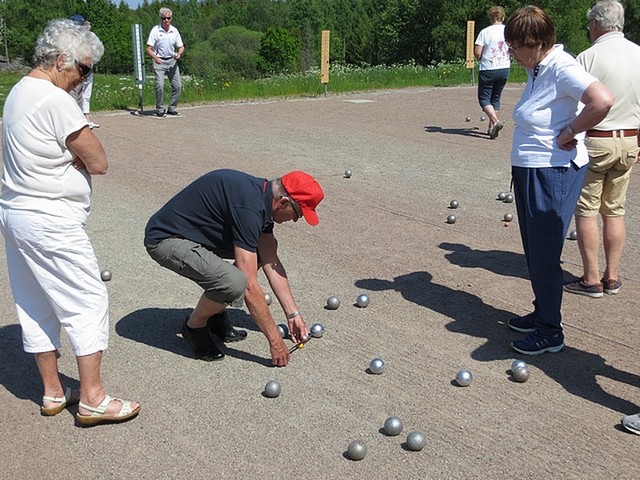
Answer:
(493, 54)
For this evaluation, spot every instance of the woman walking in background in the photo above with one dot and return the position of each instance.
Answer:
(493, 54)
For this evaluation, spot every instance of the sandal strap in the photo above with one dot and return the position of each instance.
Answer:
(64, 399)
(100, 409)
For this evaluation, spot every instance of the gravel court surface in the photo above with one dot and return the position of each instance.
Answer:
(440, 298)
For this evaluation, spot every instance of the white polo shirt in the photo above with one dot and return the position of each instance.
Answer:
(615, 61)
(163, 43)
(550, 101)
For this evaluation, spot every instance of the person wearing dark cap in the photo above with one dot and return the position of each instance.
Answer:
(82, 93)
(227, 214)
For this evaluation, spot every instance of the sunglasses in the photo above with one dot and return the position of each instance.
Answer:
(165, 18)
(85, 70)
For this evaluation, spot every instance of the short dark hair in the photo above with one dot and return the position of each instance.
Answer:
(530, 26)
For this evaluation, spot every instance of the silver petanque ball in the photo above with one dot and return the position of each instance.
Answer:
(272, 389)
(508, 198)
(416, 441)
(468, 119)
(376, 366)
(283, 330)
(268, 298)
(518, 364)
(357, 450)
(105, 275)
(393, 426)
(333, 303)
(464, 377)
(520, 374)
(508, 217)
(573, 235)
(501, 195)
(317, 330)
(362, 300)
(483, 118)
(348, 173)
(451, 219)
(454, 204)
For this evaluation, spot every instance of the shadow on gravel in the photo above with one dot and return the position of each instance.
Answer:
(18, 370)
(160, 328)
(508, 264)
(470, 315)
(577, 371)
(465, 132)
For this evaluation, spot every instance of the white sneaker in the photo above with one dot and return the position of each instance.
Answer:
(632, 423)
(93, 125)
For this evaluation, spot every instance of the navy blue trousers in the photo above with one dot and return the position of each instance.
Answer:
(545, 201)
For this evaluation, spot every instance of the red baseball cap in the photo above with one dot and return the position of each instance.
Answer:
(306, 192)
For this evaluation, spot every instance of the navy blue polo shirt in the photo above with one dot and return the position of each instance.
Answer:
(220, 210)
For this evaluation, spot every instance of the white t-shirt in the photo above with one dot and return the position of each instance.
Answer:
(38, 174)
(495, 51)
(550, 101)
(164, 43)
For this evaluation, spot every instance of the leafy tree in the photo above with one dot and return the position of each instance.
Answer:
(279, 51)
(230, 53)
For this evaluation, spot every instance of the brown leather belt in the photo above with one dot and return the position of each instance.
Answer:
(612, 133)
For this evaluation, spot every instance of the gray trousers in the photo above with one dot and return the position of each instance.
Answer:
(171, 69)
(221, 281)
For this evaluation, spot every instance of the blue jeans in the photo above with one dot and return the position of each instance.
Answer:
(490, 86)
(545, 201)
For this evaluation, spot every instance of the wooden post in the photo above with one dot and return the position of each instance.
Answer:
(324, 60)
(470, 61)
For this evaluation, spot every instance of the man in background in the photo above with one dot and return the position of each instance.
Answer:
(82, 93)
(165, 48)
(613, 149)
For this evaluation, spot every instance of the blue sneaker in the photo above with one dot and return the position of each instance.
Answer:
(539, 342)
(526, 324)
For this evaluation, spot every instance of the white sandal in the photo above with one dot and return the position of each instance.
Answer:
(98, 415)
(63, 402)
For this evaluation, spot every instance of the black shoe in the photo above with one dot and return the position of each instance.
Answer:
(174, 113)
(220, 326)
(203, 346)
(161, 113)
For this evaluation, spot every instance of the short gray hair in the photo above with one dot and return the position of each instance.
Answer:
(164, 11)
(67, 39)
(609, 14)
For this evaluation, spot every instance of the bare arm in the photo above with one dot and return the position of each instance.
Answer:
(88, 151)
(477, 52)
(277, 277)
(180, 52)
(597, 101)
(247, 262)
(153, 55)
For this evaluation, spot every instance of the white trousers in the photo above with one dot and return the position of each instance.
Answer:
(55, 280)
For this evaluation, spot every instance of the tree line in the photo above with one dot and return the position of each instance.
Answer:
(227, 39)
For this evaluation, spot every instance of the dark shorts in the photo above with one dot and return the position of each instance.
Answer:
(490, 86)
(221, 281)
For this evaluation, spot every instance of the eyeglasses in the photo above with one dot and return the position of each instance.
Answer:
(85, 70)
(165, 18)
(297, 211)
(589, 24)
(513, 48)
(295, 206)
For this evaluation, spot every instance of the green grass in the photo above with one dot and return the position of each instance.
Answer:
(118, 92)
